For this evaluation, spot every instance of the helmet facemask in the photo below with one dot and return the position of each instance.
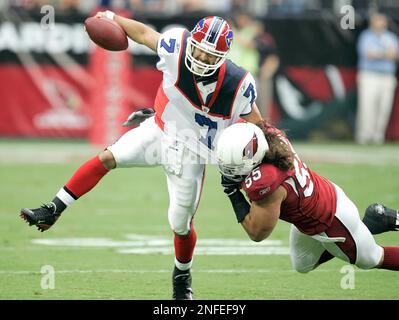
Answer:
(213, 36)
(236, 172)
(199, 67)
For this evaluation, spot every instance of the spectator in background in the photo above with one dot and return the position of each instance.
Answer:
(220, 6)
(378, 52)
(255, 50)
(29, 4)
(287, 6)
(244, 52)
(238, 5)
(269, 63)
(69, 6)
(155, 6)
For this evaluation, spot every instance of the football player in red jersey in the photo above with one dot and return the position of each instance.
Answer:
(325, 222)
(202, 92)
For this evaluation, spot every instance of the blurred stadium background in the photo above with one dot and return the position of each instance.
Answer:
(62, 100)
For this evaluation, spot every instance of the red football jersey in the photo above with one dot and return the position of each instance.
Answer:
(311, 199)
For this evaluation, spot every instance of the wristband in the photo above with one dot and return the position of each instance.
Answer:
(240, 205)
(110, 14)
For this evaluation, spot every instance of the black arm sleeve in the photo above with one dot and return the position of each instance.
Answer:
(240, 205)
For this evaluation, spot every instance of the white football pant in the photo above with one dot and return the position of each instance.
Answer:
(352, 243)
(147, 146)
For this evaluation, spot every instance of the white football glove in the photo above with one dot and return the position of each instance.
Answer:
(110, 14)
(138, 117)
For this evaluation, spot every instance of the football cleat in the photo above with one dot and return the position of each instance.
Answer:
(182, 285)
(379, 218)
(43, 218)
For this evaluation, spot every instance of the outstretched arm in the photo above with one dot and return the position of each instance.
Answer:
(254, 116)
(263, 215)
(135, 30)
(258, 218)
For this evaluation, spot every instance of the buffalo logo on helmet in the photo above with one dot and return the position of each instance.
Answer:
(251, 148)
(229, 38)
(199, 26)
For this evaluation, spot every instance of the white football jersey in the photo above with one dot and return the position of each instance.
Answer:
(196, 110)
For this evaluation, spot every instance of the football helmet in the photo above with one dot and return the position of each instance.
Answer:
(240, 148)
(212, 35)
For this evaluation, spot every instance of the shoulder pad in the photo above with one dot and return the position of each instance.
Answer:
(263, 181)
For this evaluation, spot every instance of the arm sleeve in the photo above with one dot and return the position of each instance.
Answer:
(248, 87)
(169, 45)
(363, 44)
(395, 41)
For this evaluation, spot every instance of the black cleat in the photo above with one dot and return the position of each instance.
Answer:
(43, 217)
(379, 219)
(182, 285)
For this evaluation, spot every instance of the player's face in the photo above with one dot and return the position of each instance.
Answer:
(204, 56)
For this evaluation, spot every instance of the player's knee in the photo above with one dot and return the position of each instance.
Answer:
(181, 228)
(368, 262)
(301, 266)
(181, 231)
(107, 159)
(182, 207)
(302, 269)
(369, 259)
(179, 219)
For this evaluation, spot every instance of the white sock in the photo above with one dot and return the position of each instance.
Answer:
(65, 197)
(183, 266)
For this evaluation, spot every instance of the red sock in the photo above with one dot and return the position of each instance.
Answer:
(391, 258)
(86, 177)
(184, 246)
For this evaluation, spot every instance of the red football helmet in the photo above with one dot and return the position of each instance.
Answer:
(212, 35)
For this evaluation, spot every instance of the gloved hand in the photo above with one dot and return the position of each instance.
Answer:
(138, 117)
(232, 189)
(230, 186)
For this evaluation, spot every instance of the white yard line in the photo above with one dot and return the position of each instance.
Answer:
(64, 152)
(145, 244)
(337, 270)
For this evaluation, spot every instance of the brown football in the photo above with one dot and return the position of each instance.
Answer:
(106, 33)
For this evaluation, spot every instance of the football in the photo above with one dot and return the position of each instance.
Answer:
(106, 33)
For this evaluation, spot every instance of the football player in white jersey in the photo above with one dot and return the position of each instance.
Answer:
(202, 92)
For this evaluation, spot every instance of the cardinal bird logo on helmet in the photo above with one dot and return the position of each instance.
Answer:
(251, 148)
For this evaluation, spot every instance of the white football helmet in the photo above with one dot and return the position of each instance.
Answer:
(240, 148)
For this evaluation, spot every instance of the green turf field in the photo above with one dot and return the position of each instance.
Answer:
(115, 242)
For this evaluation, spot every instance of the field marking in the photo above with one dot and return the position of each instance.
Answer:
(146, 244)
(26, 153)
(193, 270)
